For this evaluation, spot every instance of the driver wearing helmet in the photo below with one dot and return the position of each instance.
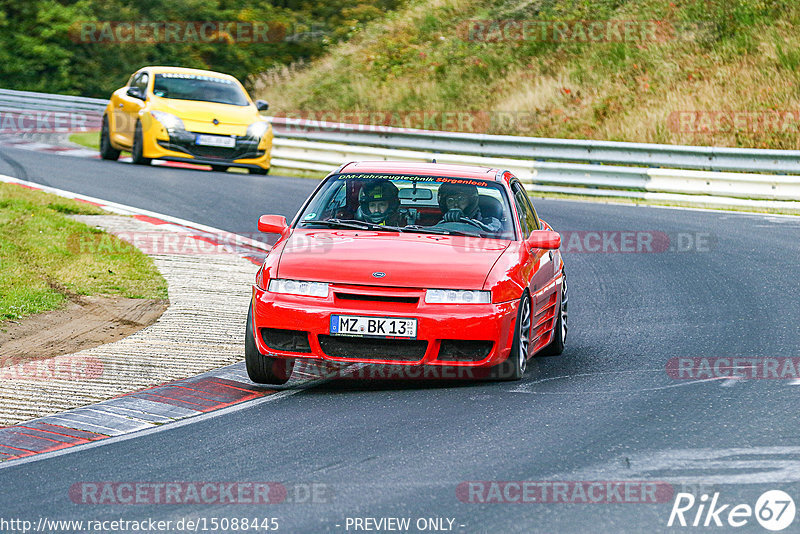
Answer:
(379, 203)
(460, 201)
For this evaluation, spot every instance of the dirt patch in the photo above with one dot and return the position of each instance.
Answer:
(84, 323)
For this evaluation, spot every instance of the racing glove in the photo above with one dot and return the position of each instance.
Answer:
(453, 215)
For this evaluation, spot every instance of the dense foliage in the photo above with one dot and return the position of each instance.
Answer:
(43, 46)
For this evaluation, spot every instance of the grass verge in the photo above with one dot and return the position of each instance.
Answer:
(87, 139)
(42, 264)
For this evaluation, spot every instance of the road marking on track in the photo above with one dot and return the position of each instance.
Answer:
(737, 465)
(729, 383)
(529, 386)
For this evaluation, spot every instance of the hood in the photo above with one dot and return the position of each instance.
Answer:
(198, 116)
(408, 260)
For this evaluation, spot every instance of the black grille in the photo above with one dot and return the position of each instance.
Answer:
(452, 350)
(407, 350)
(376, 298)
(245, 148)
(286, 340)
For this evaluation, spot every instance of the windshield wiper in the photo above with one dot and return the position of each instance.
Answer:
(353, 223)
(440, 231)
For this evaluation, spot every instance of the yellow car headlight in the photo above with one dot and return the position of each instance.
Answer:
(257, 129)
(168, 120)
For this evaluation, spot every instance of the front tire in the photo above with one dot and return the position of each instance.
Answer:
(106, 150)
(516, 364)
(263, 369)
(556, 346)
(137, 150)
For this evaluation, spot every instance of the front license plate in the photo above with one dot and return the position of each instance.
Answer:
(356, 325)
(215, 140)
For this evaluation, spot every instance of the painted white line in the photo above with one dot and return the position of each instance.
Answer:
(301, 386)
(123, 209)
(795, 382)
(729, 383)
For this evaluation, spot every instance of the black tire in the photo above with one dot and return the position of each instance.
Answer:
(262, 172)
(556, 346)
(516, 364)
(219, 168)
(137, 149)
(263, 369)
(106, 150)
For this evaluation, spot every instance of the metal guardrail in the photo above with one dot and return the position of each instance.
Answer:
(50, 102)
(693, 186)
(32, 113)
(598, 168)
(544, 149)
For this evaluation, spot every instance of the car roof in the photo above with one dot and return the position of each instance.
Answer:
(184, 70)
(428, 169)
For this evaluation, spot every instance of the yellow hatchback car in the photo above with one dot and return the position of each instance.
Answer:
(190, 115)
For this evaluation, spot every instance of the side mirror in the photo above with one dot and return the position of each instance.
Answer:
(135, 92)
(262, 105)
(273, 224)
(545, 239)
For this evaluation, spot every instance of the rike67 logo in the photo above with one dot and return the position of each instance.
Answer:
(774, 510)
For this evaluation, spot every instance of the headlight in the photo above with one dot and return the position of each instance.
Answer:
(457, 296)
(298, 287)
(257, 129)
(168, 120)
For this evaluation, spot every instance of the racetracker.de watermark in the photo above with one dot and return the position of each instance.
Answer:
(578, 31)
(564, 492)
(193, 492)
(66, 367)
(635, 241)
(21, 122)
(781, 122)
(768, 368)
(179, 31)
(173, 243)
(333, 370)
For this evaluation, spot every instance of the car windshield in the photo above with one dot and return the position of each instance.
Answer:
(199, 87)
(415, 204)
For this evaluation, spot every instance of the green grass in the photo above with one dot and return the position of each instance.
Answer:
(42, 262)
(87, 139)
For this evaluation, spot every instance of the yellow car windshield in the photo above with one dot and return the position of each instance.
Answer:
(199, 87)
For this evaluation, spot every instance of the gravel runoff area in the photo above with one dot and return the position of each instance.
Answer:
(202, 329)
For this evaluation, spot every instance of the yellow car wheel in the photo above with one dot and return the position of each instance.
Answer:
(106, 150)
(138, 147)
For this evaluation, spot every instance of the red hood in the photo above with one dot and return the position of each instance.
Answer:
(408, 260)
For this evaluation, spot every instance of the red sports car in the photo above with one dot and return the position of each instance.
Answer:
(411, 264)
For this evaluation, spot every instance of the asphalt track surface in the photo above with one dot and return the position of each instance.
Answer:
(605, 410)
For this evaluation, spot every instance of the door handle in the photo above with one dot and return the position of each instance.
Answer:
(120, 105)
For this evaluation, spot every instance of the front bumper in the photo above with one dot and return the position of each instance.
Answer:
(180, 146)
(476, 335)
